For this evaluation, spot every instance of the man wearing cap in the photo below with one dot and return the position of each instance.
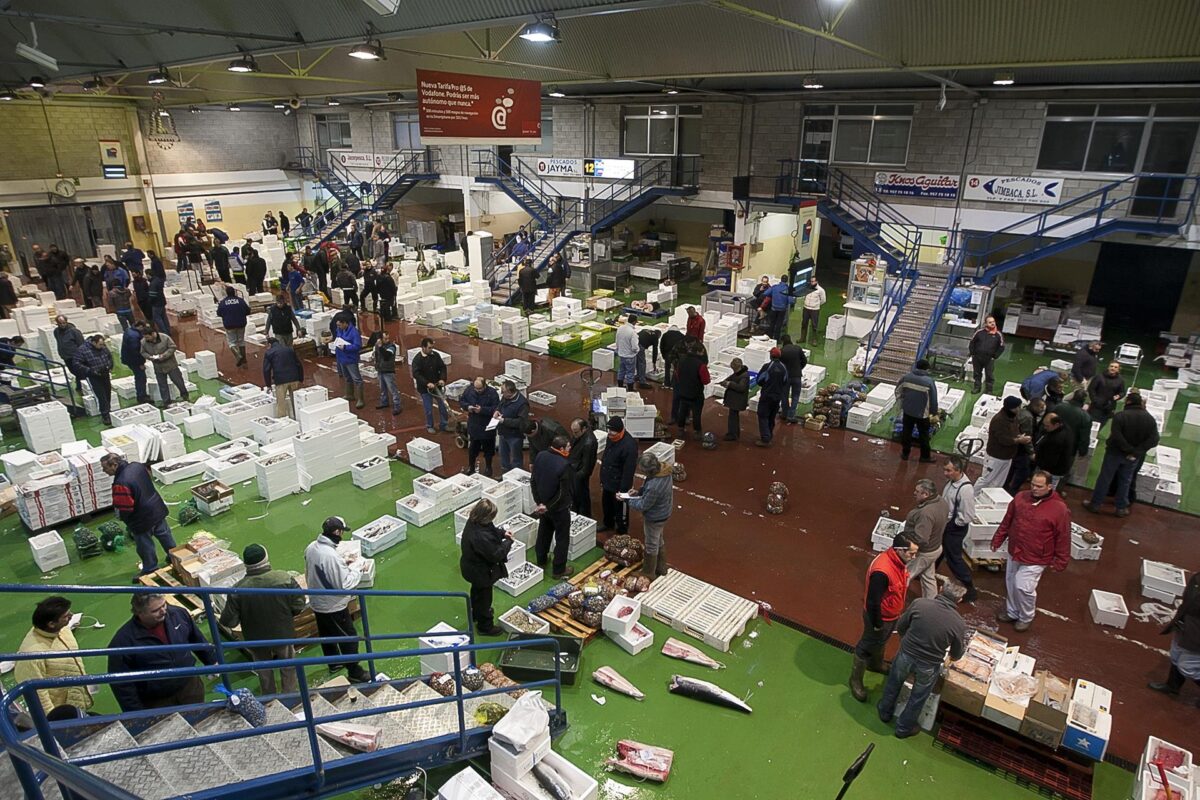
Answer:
(266, 616)
(1004, 437)
(773, 382)
(324, 568)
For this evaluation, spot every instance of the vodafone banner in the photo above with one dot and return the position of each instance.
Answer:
(474, 109)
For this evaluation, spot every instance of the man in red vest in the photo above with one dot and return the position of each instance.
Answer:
(883, 602)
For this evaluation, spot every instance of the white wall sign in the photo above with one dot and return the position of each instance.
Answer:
(1013, 189)
(613, 169)
(111, 153)
(567, 167)
(914, 184)
(369, 160)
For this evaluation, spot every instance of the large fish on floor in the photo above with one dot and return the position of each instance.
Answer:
(703, 690)
(552, 782)
(642, 760)
(611, 679)
(685, 652)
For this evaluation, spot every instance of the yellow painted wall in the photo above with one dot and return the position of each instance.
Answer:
(29, 151)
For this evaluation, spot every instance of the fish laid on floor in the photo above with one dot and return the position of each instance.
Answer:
(685, 652)
(642, 760)
(552, 782)
(611, 679)
(703, 690)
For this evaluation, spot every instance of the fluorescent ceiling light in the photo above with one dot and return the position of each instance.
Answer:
(556, 92)
(813, 83)
(233, 107)
(37, 56)
(384, 8)
(162, 112)
(244, 64)
(37, 82)
(280, 104)
(329, 101)
(671, 90)
(7, 95)
(370, 50)
(157, 77)
(1003, 79)
(541, 31)
(193, 110)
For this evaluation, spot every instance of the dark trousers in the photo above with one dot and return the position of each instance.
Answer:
(139, 384)
(906, 430)
(581, 497)
(554, 525)
(615, 512)
(985, 366)
(102, 388)
(778, 319)
(338, 623)
(191, 693)
(768, 410)
(176, 378)
(952, 552)
(488, 448)
(813, 316)
(529, 300)
(685, 406)
(350, 297)
(735, 424)
(481, 606)
(668, 371)
(870, 646)
(1019, 472)
(143, 542)
(1115, 467)
(158, 315)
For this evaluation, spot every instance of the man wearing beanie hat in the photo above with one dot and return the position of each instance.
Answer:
(266, 616)
(617, 466)
(325, 569)
(1004, 437)
(773, 381)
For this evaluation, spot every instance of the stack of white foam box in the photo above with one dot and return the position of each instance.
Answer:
(519, 368)
(1168, 491)
(232, 467)
(1170, 387)
(370, 472)
(862, 416)
(177, 412)
(49, 551)
(986, 407)
(170, 439)
(20, 465)
(466, 490)
(1080, 549)
(414, 351)
(1176, 763)
(506, 495)
(884, 532)
(380, 534)
(488, 326)
(330, 450)
(514, 753)
(424, 454)
(522, 527)
(312, 415)
(232, 420)
(540, 345)
(266, 430)
(583, 535)
(514, 331)
(438, 491)
(605, 358)
(990, 507)
(135, 442)
(521, 479)
(198, 425)
(46, 426)
(278, 475)
(1151, 475)
(1162, 581)
(639, 417)
(717, 373)
(562, 308)
(144, 414)
(622, 622)
(454, 390)
(757, 353)
(442, 635)
(416, 511)
(181, 468)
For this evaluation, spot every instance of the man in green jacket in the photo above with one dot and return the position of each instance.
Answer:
(266, 616)
(1073, 415)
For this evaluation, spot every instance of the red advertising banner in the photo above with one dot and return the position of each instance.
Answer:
(475, 109)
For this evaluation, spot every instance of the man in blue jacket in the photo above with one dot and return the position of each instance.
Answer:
(513, 413)
(781, 301)
(283, 370)
(918, 401)
(132, 258)
(139, 505)
(234, 312)
(480, 401)
(131, 356)
(773, 382)
(347, 360)
(1044, 384)
(155, 623)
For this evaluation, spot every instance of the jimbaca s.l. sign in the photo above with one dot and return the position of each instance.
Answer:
(1013, 189)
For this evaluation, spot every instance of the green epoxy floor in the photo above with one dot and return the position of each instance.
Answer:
(804, 732)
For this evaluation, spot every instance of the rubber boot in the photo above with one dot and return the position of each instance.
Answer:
(649, 562)
(359, 392)
(660, 568)
(876, 665)
(347, 389)
(1173, 683)
(856, 680)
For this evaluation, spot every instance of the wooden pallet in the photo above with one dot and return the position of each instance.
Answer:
(165, 579)
(989, 564)
(559, 616)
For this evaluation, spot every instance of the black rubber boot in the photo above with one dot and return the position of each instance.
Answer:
(1173, 683)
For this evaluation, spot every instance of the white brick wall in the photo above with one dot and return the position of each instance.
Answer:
(226, 141)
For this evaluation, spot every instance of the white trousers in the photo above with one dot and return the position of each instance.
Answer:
(995, 472)
(1021, 581)
(923, 568)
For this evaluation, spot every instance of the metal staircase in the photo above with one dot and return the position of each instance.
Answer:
(556, 218)
(41, 379)
(207, 751)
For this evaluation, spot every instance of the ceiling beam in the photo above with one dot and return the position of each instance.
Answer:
(841, 13)
(153, 27)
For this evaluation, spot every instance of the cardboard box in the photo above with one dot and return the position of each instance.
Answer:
(964, 692)
(1046, 715)
(1006, 700)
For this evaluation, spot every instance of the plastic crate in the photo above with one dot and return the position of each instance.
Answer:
(536, 662)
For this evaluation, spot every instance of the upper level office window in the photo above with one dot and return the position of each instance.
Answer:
(1119, 138)
(407, 130)
(333, 131)
(858, 134)
(660, 130)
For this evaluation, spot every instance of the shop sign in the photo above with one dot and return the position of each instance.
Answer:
(212, 211)
(111, 153)
(806, 231)
(915, 184)
(560, 167)
(1013, 189)
(186, 211)
(476, 109)
(366, 160)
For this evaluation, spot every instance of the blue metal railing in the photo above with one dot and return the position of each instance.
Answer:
(69, 772)
(38, 368)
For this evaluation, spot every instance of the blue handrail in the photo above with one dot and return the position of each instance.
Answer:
(43, 370)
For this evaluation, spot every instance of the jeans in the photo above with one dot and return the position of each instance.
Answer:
(1021, 582)
(922, 426)
(427, 403)
(297, 300)
(796, 386)
(387, 389)
(158, 315)
(554, 525)
(626, 371)
(1117, 465)
(924, 676)
(125, 318)
(339, 623)
(512, 448)
(952, 551)
(139, 384)
(768, 409)
(143, 542)
(164, 391)
(351, 373)
(641, 365)
(778, 322)
(614, 512)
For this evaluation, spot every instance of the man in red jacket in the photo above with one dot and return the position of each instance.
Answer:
(1037, 527)
(887, 585)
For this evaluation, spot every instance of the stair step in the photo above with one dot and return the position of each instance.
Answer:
(136, 774)
(251, 757)
(395, 733)
(191, 769)
(295, 743)
(430, 721)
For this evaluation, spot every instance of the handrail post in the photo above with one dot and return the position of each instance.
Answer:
(458, 695)
(366, 625)
(310, 729)
(557, 676)
(33, 704)
(214, 633)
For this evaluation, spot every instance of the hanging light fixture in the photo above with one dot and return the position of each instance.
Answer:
(1003, 79)
(329, 101)
(370, 50)
(541, 31)
(193, 110)
(556, 92)
(94, 83)
(244, 64)
(158, 77)
(37, 82)
(812, 82)
(233, 107)
(7, 95)
(162, 112)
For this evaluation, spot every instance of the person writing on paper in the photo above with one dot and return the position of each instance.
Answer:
(480, 401)
(655, 501)
(429, 377)
(324, 568)
(348, 345)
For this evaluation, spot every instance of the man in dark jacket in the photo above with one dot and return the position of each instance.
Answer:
(691, 376)
(556, 277)
(385, 288)
(282, 320)
(1004, 437)
(551, 482)
(918, 401)
(737, 398)
(155, 623)
(986, 346)
(792, 356)
(773, 380)
(617, 467)
(282, 369)
(513, 413)
(647, 339)
(429, 377)
(1055, 449)
(386, 354)
(480, 401)
(1104, 392)
(928, 628)
(1070, 412)
(139, 505)
(93, 363)
(132, 257)
(156, 296)
(669, 345)
(131, 356)
(1185, 643)
(345, 280)
(484, 560)
(69, 340)
(234, 311)
(541, 434)
(1134, 432)
(527, 285)
(583, 463)
(264, 617)
(1087, 364)
(220, 259)
(256, 272)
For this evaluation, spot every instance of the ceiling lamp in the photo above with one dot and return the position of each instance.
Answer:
(329, 101)
(670, 90)
(813, 83)
(7, 95)
(233, 107)
(158, 77)
(162, 112)
(1003, 79)
(93, 84)
(37, 82)
(541, 31)
(370, 50)
(280, 104)
(287, 111)
(556, 92)
(193, 110)
(244, 64)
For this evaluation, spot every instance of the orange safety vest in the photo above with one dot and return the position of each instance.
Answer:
(888, 562)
